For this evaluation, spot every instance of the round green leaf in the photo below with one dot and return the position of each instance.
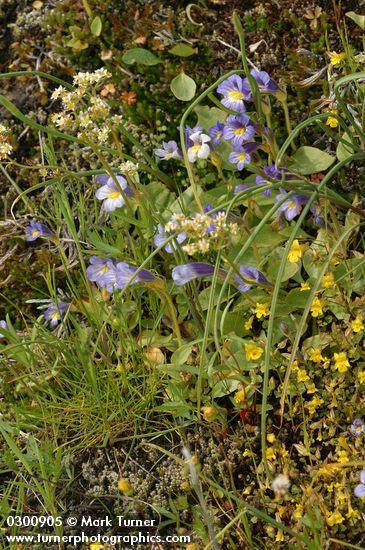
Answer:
(183, 87)
(96, 26)
(140, 55)
(310, 160)
(183, 50)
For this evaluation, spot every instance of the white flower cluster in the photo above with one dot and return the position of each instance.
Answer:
(5, 147)
(129, 168)
(83, 110)
(204, 231)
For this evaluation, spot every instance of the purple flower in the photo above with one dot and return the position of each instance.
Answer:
(188, 132)
(242, 154)
(110, 192)
(3, 325)
(54, 312)
(357, 427)
(272, 174)
(249, 275)
(241, 187)
(35, 230)
(317, 218)
(216, 132)
(124, 272)
(292, 206)
(266, 84)
(199, 148)
(161, 237)
(169, 151)
(359, 490)
(235, 91)
(98, 269)
(239, 129)
(182, 274)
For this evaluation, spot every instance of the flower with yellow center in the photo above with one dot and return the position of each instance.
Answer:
(304, 286)
(262, 310)
(248, 324)
(311, 388)
(341, 362)
(337, 58)
(125, 487)
(334, 519)
(316, 356)
(332, 122)
(357, 324)
(302, 375)
(313, 404)
(253, 352)
(316, 307)
(361, 377)
(328, 281)
(296, 251)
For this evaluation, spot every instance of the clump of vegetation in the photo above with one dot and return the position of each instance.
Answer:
(199, 295)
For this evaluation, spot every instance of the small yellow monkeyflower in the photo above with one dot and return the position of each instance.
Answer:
(334, 519)
(316, 356)
(296, 251)
(353, 513)
(304, 286)
(313, 404)
(302, 375)
(316, 307)
(298, 512)
(337, 58)
(248, 453)
(271, 438)
(248, 324)
(357, 324)
(253, 352)
(328, 281)
(361, 377)
(270, 453)
(341, 362)
(311, 388)
(125, 487)
(295, 365)
(332, 122)
(262, 310)
(240, 396)
(96, 546)
(342, 457)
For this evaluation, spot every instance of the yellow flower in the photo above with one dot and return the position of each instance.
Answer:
(302, 375)
(326, 362)
(337, 58)
(125, 487)
(353, 513)
(240, 396)
(296, 251)
(335, 518)
(341, 361)
(328, 281)
(270, 453)
(248, 324)
(316, 356)
(96, 546)
(342, 457)
(311, 388)
(253, 352)
(249, 453)
(271, 438)
(298, 512)
(279, 535)
(304, 286)
(209, 413)
(332, 122)
(361, 377)
(262, 310)
(313, 404)
(357, 325)
(295, 365)
(316, 308)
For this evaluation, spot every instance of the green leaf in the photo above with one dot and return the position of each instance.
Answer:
(140, 55)
(96, 26)
(76, 44)
(208, 116)
(310, 160)
(343, 151)
(183, 50)
(183, 87)
(358, 19)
